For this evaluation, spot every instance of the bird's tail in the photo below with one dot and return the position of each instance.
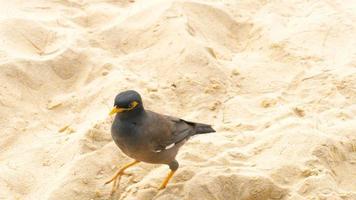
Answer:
(203, 128)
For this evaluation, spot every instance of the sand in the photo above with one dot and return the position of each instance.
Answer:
(276, 79)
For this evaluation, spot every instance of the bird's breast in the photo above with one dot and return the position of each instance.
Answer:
(126, 136)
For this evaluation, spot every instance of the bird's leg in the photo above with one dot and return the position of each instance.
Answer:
(173, 166)
(166, 180)
(119, 173)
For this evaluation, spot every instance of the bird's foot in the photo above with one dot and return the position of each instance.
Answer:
(118, 175)
(115, 178)
(161, 187)
(166, 180)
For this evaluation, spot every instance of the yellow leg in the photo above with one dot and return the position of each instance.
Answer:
(166, 180)
(119, 173)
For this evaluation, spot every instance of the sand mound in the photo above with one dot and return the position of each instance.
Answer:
(276, 79)
(30, 39)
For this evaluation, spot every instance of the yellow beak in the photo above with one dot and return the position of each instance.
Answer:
(116, 110)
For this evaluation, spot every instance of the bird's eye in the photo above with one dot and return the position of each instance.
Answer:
(133, 104)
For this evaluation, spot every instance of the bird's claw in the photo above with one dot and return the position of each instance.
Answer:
(114, 178)
(161, 188)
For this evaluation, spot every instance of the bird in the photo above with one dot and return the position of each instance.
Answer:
(147, 136)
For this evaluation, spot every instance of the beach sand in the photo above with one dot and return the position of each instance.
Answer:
(276, 79)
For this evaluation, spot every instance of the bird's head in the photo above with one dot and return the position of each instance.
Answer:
(127, 101)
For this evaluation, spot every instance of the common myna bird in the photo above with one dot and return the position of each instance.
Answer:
(148, 136)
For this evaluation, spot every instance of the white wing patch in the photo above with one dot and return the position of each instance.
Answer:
(165, 148)
(170, 146)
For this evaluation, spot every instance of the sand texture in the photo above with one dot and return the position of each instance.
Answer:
(276, 79)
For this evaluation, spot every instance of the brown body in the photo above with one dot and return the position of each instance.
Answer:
(145, 137)
(148, 136)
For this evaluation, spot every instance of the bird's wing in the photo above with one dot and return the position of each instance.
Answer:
(180, 129)
(169, 131)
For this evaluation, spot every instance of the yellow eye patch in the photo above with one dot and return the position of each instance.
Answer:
(119, 110)
(133, 104)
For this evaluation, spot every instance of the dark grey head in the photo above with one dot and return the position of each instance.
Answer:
(127, 102)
